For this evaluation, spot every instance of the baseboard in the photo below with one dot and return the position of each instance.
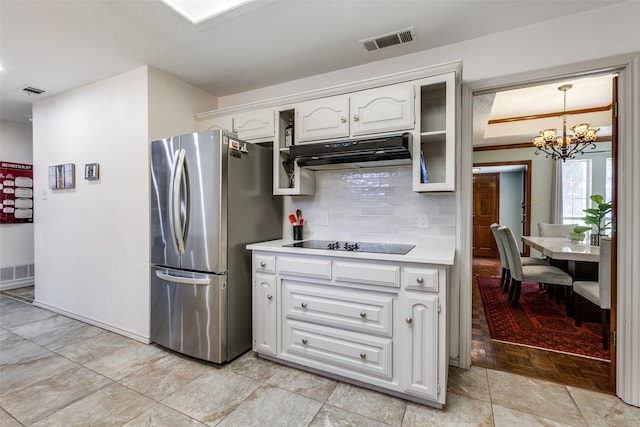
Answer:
(14, 284)
(94, 322)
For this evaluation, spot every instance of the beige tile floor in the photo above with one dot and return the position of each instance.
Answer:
(56, 371)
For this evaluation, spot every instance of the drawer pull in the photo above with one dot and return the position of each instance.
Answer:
(269, 296)
(409, 320)
(304, 341)
(420, 280)
(343, 119)
(363, 355)
(303, 305)
(355, 118)
(263, 264)
(363, 314)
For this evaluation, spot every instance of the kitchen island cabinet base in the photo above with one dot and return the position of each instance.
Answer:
(380, 324)
(351, 381)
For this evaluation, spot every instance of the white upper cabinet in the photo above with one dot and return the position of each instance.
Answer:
(385, 109)
(422, 102)
(224, 123)
(249, 126)
(323, 118)
(379, 110)
(259, 124)
(434, 152)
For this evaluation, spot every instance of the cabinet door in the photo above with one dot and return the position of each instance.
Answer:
(264, 314)
(254, 124)
(224, 123)
(324, 118)
(383, 110)
(420, 364)
(434, 157)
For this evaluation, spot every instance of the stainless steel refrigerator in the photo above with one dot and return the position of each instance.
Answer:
(211, 194)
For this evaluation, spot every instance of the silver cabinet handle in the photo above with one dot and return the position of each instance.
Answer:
(363, 355)
(269, 296)
(355, 118)
(363, 314)
(263, 264)
(304, 341)
(343, 119)
(409, 320)
(420, 280)
(303, 305)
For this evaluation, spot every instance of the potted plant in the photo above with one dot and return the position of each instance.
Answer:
(596, 218)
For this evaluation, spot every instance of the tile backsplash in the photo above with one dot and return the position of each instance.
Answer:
(373, 204)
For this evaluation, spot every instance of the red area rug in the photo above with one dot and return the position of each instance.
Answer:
(538, 321)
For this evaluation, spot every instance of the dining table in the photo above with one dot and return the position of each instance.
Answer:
(564, 249)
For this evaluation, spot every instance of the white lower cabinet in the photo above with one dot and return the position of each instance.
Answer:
(344, 319)
(421, 343)
(264, 313)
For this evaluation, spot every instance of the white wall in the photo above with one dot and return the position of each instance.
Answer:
(614, 31)
(172, 105)
(16, 240)
(511, 198)
(92, 242)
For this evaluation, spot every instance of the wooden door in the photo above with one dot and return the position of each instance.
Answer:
(485, 213)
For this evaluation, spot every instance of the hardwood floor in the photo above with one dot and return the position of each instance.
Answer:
(562, 368)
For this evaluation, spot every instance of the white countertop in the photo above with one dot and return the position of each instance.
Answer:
(422, 253)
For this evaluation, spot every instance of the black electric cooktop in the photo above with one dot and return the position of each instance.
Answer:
(331, 245)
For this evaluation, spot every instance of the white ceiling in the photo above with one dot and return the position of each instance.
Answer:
(589, 92)
(61, 45)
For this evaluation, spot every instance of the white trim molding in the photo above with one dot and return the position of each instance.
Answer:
(628, 319)
(628, 270)
(94, 322)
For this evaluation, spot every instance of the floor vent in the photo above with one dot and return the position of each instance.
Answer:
(32, 90)
(407, 35)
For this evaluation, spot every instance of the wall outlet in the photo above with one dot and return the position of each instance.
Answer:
(324, 218)
(423, 220)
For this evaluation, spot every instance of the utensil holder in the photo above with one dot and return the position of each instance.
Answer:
(297, 232)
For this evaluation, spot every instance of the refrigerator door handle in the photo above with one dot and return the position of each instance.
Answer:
(171, 207)
(186, 280)
(177, 172)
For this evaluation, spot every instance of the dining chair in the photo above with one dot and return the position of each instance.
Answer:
(598, 293)
(554, 230)
(534, 273)
(505, 278)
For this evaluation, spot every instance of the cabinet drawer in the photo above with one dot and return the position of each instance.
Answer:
(264, 263)
(371, 274)
(420, 279)
(316, 268)
(336, 348)
(357, 311)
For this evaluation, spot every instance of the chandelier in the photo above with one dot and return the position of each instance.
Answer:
(566, 146)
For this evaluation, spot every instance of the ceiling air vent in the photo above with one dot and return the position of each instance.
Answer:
(32, 90)
(406, 35)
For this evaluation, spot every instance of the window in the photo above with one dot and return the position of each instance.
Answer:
(608, 189)
(576, 189)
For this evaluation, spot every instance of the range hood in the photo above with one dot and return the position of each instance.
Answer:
(389, 150)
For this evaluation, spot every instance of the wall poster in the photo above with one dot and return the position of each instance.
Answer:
(16, 193)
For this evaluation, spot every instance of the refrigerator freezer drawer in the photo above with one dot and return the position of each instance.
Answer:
(188, 312)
